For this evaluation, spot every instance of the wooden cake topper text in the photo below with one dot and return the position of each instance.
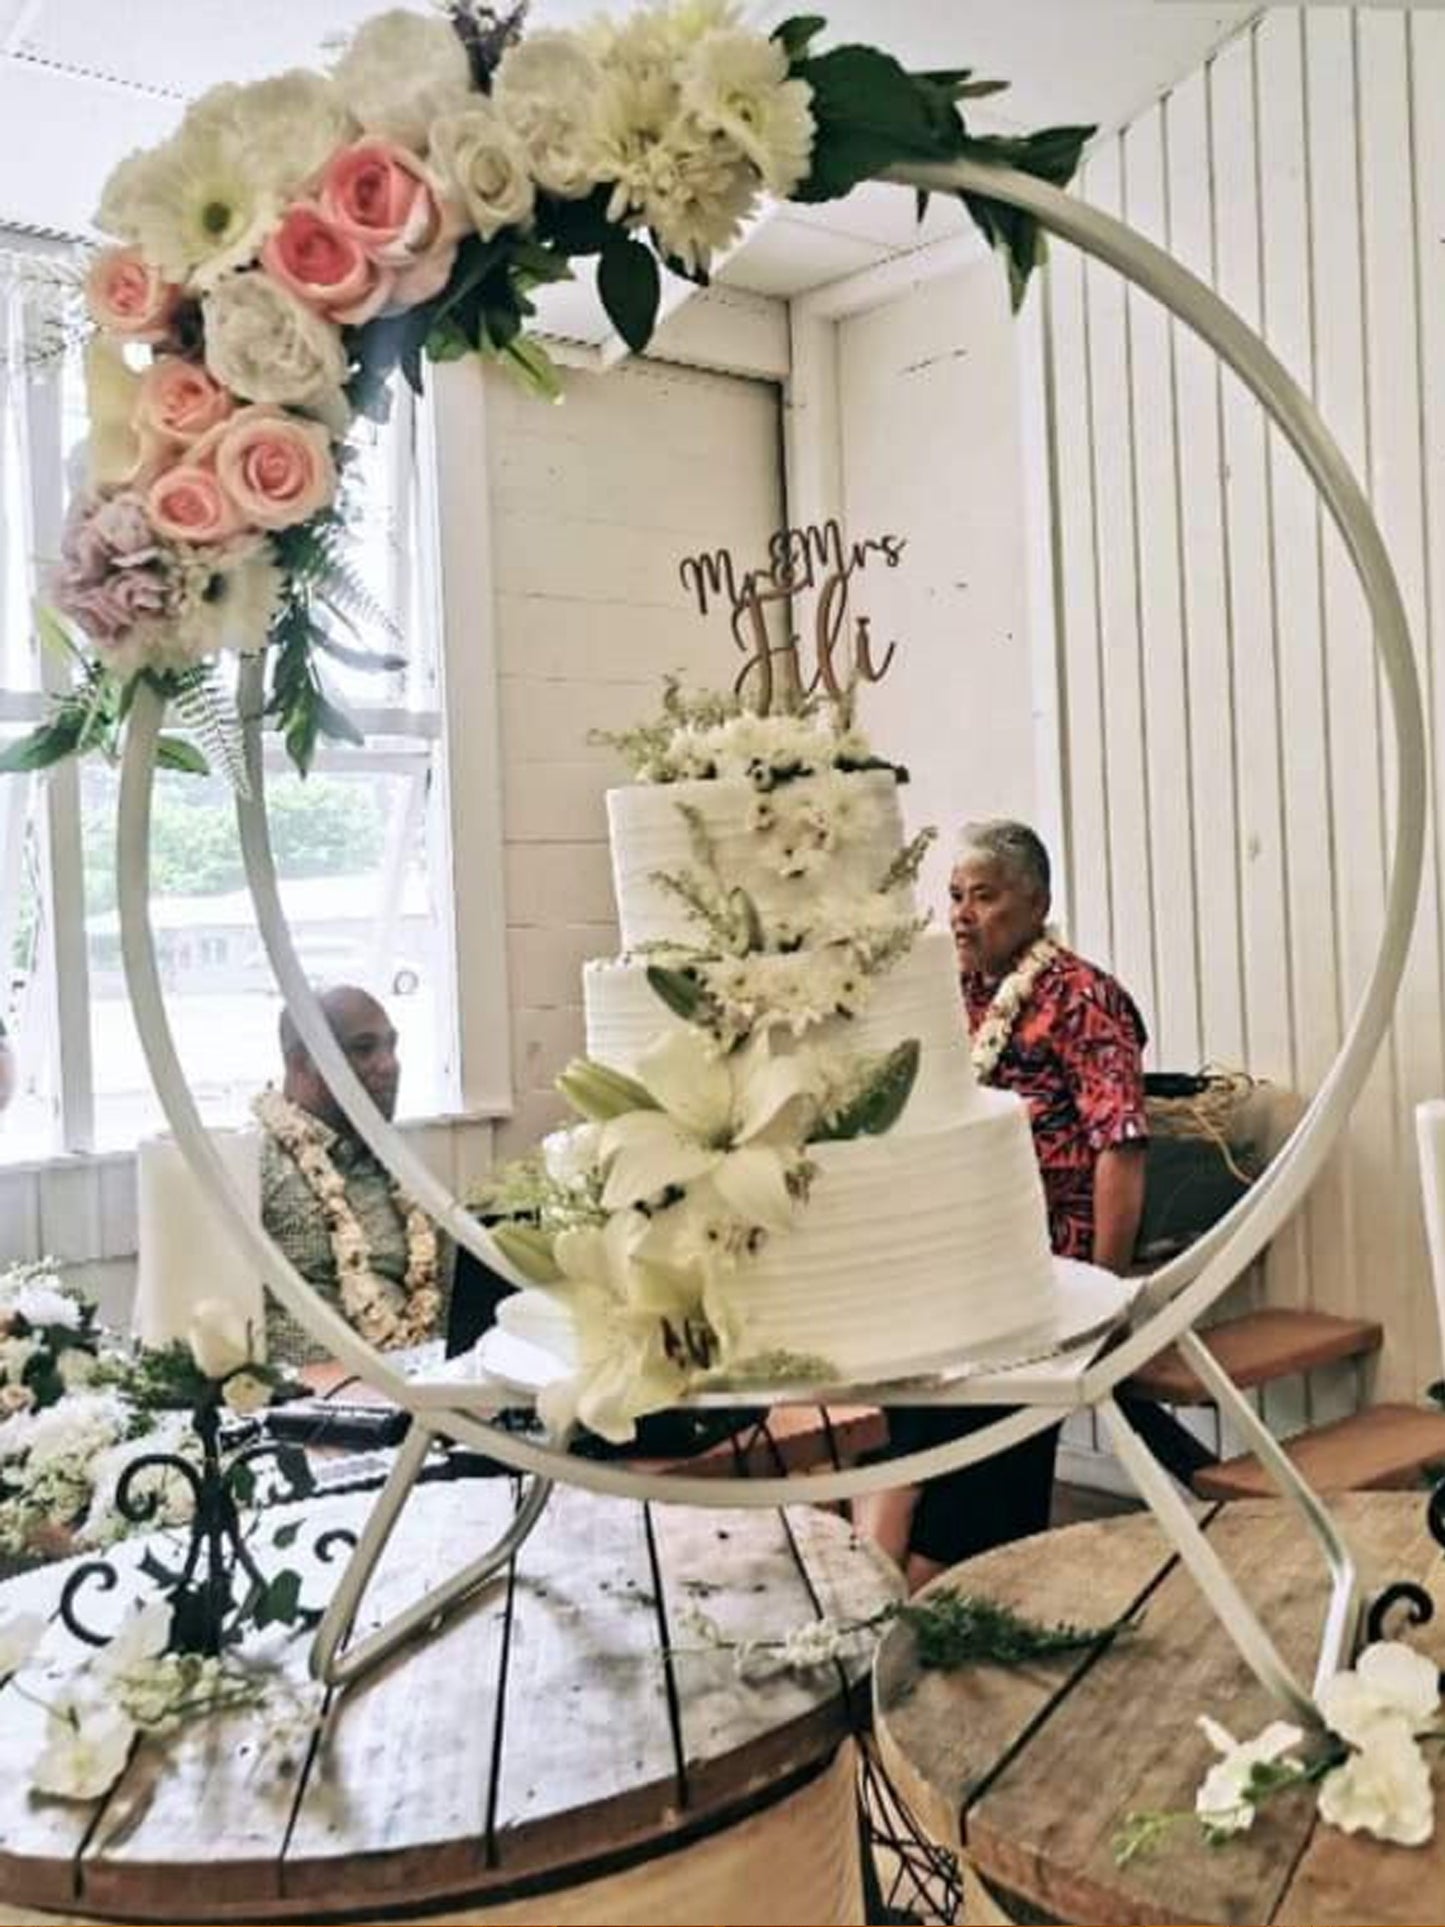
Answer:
(799, 561)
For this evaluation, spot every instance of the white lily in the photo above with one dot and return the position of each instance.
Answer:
(615, 1325)
(735, 1119)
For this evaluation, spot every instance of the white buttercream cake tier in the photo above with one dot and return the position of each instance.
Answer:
(649, 834)
(911, 1246)
(916, 997)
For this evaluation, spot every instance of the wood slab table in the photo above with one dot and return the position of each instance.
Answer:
(564, 1748)
(1027, 1774)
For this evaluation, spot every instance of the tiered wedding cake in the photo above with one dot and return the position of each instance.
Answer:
(922, 1244)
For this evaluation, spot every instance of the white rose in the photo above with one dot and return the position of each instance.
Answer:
(19, 1636)
(85, 1751)
(39, 1303)
(264, 345)
(485, 165)
(219, 1337)
(547, 89)
(400, 72)
(15, 1355)
(1384, 1789)
(290, 125)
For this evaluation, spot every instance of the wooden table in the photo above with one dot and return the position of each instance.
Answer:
(1029, 1773)
(564, 1737)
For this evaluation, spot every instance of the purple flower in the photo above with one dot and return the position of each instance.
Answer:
(112, 572)
(109, 610)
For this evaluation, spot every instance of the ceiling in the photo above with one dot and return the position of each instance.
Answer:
(115, 79)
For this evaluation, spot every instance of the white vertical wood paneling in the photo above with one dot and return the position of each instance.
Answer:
(1235, 805)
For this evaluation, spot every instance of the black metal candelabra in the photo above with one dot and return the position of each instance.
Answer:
(216, 1588)
(1405, 1595)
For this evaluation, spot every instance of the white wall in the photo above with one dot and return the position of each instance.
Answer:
(1228, 778)
(931, 449)
(594, 504)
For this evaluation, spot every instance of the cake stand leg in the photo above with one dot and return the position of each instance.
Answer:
(1231, 1608)
(336, 1668)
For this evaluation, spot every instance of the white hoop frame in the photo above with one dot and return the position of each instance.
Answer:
(1175, 1296)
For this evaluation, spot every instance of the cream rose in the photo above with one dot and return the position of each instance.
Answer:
(127, 296)
(188, 504)
(324, 267)
(265, 345)
(485, 163)
(400, 72)
(177, 402)
(276, 469)
(219, 1338)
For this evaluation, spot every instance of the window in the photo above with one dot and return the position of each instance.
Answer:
(362, 845)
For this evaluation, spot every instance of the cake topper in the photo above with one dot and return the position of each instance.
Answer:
(800, 561)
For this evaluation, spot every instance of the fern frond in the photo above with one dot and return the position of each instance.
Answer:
(208, 712)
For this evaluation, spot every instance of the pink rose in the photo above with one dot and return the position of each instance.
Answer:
(127, 296)
(178, 402)
(326, 266)
(386, 200)
(276, 468)
(189, 504)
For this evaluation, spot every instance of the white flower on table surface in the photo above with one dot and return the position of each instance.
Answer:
(266, 346)
(735, 1118)
(85, 1751)
(483, 161)
(618, 1325)
(77, 1428)
(20, 1634)
(546, 90)
(143, 1634)
(41, 1302)
(402, 71)
(1390, 1686)
(736, 83)
(1383, 1789)
(220, 1337)
(1221, 1802)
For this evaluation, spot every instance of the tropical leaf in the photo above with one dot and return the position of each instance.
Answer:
(880, 1104)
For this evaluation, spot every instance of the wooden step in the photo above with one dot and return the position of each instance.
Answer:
(1260, 1346)
(1382, 1448)
(799, 1439)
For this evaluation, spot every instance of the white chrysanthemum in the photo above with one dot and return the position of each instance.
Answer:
(225, 601)
(195, 206)
(736, 84)
(547, 90)
(266, 346)
(401, 72)
(289, 126)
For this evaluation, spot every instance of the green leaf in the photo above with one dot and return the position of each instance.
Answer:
(242, 1481)
(174, 752)
(534, 367)
(49, 743)
(285, 1536)
(869, 113)
(880, 1104)
(53, 633)
(279, 1603)
(794, 35)
(678, 989)
(576, 227)
(630, 284)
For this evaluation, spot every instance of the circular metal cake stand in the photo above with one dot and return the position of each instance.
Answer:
(1173, 1298)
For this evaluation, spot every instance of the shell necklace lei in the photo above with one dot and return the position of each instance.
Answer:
(365, 1297)
(996, 1026)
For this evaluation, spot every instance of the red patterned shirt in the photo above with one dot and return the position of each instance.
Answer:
(1076, 1059)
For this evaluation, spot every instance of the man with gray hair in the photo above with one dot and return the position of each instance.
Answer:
(1068, 1039)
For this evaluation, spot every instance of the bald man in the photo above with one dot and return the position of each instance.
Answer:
(310, 1131)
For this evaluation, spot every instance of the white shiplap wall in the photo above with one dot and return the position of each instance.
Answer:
(594, 504)
(1227, 770)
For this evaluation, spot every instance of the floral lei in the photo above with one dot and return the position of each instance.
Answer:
(364, 1295)
(996, 1027)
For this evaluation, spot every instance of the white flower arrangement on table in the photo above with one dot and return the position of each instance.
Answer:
(299, 239)
(1369, 1765)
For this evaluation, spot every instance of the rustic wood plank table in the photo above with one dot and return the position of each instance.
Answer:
(563, 1749)
(1027, 1774)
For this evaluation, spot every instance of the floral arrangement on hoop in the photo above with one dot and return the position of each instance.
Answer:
(298, 240)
